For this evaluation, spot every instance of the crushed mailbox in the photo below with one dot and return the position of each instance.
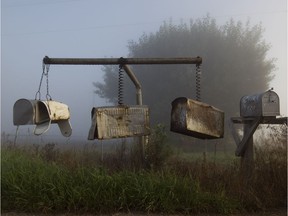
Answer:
(119, 122)
(42, 114)
(264, 104)
(197, 119)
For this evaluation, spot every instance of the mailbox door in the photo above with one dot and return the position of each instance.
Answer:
(24, 112)
(270, 104)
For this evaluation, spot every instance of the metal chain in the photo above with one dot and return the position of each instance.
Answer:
(44, 73)
(48, 96)
(198, 82)
(38, 93)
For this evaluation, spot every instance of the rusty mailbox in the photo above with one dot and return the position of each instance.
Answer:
(42, 114)
(197, 119)
(119, 122)
(264, 104)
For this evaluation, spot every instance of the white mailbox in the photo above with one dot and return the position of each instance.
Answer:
(42, 114)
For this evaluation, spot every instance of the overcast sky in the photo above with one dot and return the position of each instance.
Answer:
(31, 29)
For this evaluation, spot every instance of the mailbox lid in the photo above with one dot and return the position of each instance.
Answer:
(197, 119)
(263, 104)
(119, 122)
(24, 112)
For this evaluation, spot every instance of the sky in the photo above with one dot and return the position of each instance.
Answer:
(32, 29)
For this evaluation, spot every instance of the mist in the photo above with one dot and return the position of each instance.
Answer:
(30, 30)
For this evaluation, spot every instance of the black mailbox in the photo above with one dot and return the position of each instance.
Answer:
(264, 104)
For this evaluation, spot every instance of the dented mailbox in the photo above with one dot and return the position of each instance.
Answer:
(119, 122)
(42, 114)
(264, 104)
(197, 119)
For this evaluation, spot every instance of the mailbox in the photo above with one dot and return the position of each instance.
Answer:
(264, 104)
(197, 119)
(42, 114)
(119, 122)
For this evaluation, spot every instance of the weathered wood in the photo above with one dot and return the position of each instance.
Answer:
(247, 156)
(245, 146)
(265, 120)
(249, 129)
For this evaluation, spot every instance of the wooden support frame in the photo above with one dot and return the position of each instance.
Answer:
(245, 146)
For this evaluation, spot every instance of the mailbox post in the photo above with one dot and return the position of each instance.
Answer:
(254, 110)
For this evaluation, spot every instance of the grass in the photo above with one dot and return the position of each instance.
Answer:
(43, 179)
(33, 185)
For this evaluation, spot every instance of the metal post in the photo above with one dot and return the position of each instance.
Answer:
(120, 61)
(136, 83)
(138, 102)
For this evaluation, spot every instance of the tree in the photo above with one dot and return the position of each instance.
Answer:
(234, 64)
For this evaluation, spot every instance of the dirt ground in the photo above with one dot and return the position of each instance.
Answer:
(282, 212)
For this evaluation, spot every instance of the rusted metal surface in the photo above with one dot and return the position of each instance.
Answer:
(197, 119)
(121, 61)
(264, 104)
(42, 114)
(119, 122)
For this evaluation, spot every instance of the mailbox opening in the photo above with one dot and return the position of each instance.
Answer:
(42, 113)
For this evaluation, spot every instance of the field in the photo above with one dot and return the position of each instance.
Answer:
(43, 179)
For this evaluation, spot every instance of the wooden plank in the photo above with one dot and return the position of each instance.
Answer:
(265, 120)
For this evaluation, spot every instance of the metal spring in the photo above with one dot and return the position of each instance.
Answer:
(120, 85)
(198, 82)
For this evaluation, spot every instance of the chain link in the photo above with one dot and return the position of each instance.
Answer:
(48, 96)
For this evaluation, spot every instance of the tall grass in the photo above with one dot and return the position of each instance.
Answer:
(44, 179)
(33, 185)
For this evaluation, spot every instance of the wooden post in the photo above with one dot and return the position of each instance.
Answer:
(247, 159)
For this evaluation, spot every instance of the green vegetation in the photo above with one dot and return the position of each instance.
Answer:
(45, 179)
(31, 184)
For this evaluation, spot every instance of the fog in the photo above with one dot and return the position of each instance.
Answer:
(32, 29)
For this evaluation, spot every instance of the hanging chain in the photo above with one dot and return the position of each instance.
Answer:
(198, 82)
(45, 72)
(48, 96)
(120, 85)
